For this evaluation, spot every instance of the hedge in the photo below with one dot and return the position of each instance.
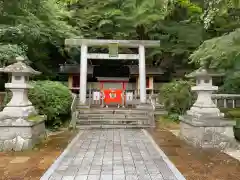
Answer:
(52, 99)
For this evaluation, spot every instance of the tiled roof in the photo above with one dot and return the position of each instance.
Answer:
(73, 68)
(133, 69)
(150, 70)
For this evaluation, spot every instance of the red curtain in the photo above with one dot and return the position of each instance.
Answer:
(113, 96)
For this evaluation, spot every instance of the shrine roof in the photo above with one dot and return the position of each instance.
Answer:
(19, 67)
(73, 69)
(133, 69)
(150, 70)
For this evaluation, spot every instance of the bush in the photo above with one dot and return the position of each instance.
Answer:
(231, 84)
(177, 96)
(52, 99)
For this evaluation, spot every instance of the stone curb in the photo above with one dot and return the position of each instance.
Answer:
(171, 166)
(57, 162)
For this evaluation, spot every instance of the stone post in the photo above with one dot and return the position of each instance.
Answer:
(204, 125)
(142, 74)
(83, 75)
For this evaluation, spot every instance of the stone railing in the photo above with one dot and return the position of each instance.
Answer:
(227, 100)
(73, 111)
(221, 100)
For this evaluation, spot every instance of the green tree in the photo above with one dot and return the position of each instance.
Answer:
(216, 8)
(29, 26)
(221, 51)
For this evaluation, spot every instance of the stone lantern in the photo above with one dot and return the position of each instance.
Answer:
(20, 125)
(204, 89)
(19, 104)
(204, 125)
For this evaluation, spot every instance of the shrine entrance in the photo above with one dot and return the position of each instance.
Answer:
(112, 90)
(109, 95)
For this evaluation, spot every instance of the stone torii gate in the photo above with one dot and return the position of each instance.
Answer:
(85, 43)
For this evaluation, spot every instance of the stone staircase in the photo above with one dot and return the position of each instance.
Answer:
(159, 110)
(114, 118)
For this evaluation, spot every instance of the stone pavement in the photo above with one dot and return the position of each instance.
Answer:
(113, 154)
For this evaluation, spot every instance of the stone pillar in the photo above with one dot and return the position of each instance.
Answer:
(70, 81)
(142, 74)
(151, 84)
(83, 75)
(137, 86)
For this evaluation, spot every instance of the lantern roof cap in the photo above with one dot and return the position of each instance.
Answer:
(19, 67)
(203, 72)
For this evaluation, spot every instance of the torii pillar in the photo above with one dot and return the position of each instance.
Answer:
(142, 74)
(83, 75)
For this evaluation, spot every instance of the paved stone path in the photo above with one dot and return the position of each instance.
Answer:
(120, 154)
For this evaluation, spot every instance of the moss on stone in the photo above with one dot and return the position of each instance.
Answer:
(35, 118)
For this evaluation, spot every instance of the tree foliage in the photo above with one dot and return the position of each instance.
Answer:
(216, 8)
(219, 52)
(27, 26)
(232, 83)
(222, 18)
(36, 29)
(175, 23)
(118, 19)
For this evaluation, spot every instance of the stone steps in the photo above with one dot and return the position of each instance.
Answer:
(111, 122)
(112, 126)
(112, 117)
(159, 110)
(112, 111)
(82, 117)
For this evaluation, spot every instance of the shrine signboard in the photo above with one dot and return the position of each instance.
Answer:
(113, 50)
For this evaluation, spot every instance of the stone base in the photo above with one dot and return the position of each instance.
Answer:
(19, 111)
(21, 134)
(208, 132)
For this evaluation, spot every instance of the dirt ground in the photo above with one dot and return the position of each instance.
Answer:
(31, 165)
(193, 163)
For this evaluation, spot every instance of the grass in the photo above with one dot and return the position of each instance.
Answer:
(35, 118)
(167, 123)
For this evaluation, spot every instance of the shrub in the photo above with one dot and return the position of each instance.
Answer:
(177, 96)
(52, 99)
(231, 84)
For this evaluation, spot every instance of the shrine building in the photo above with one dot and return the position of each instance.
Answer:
(124, 77)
